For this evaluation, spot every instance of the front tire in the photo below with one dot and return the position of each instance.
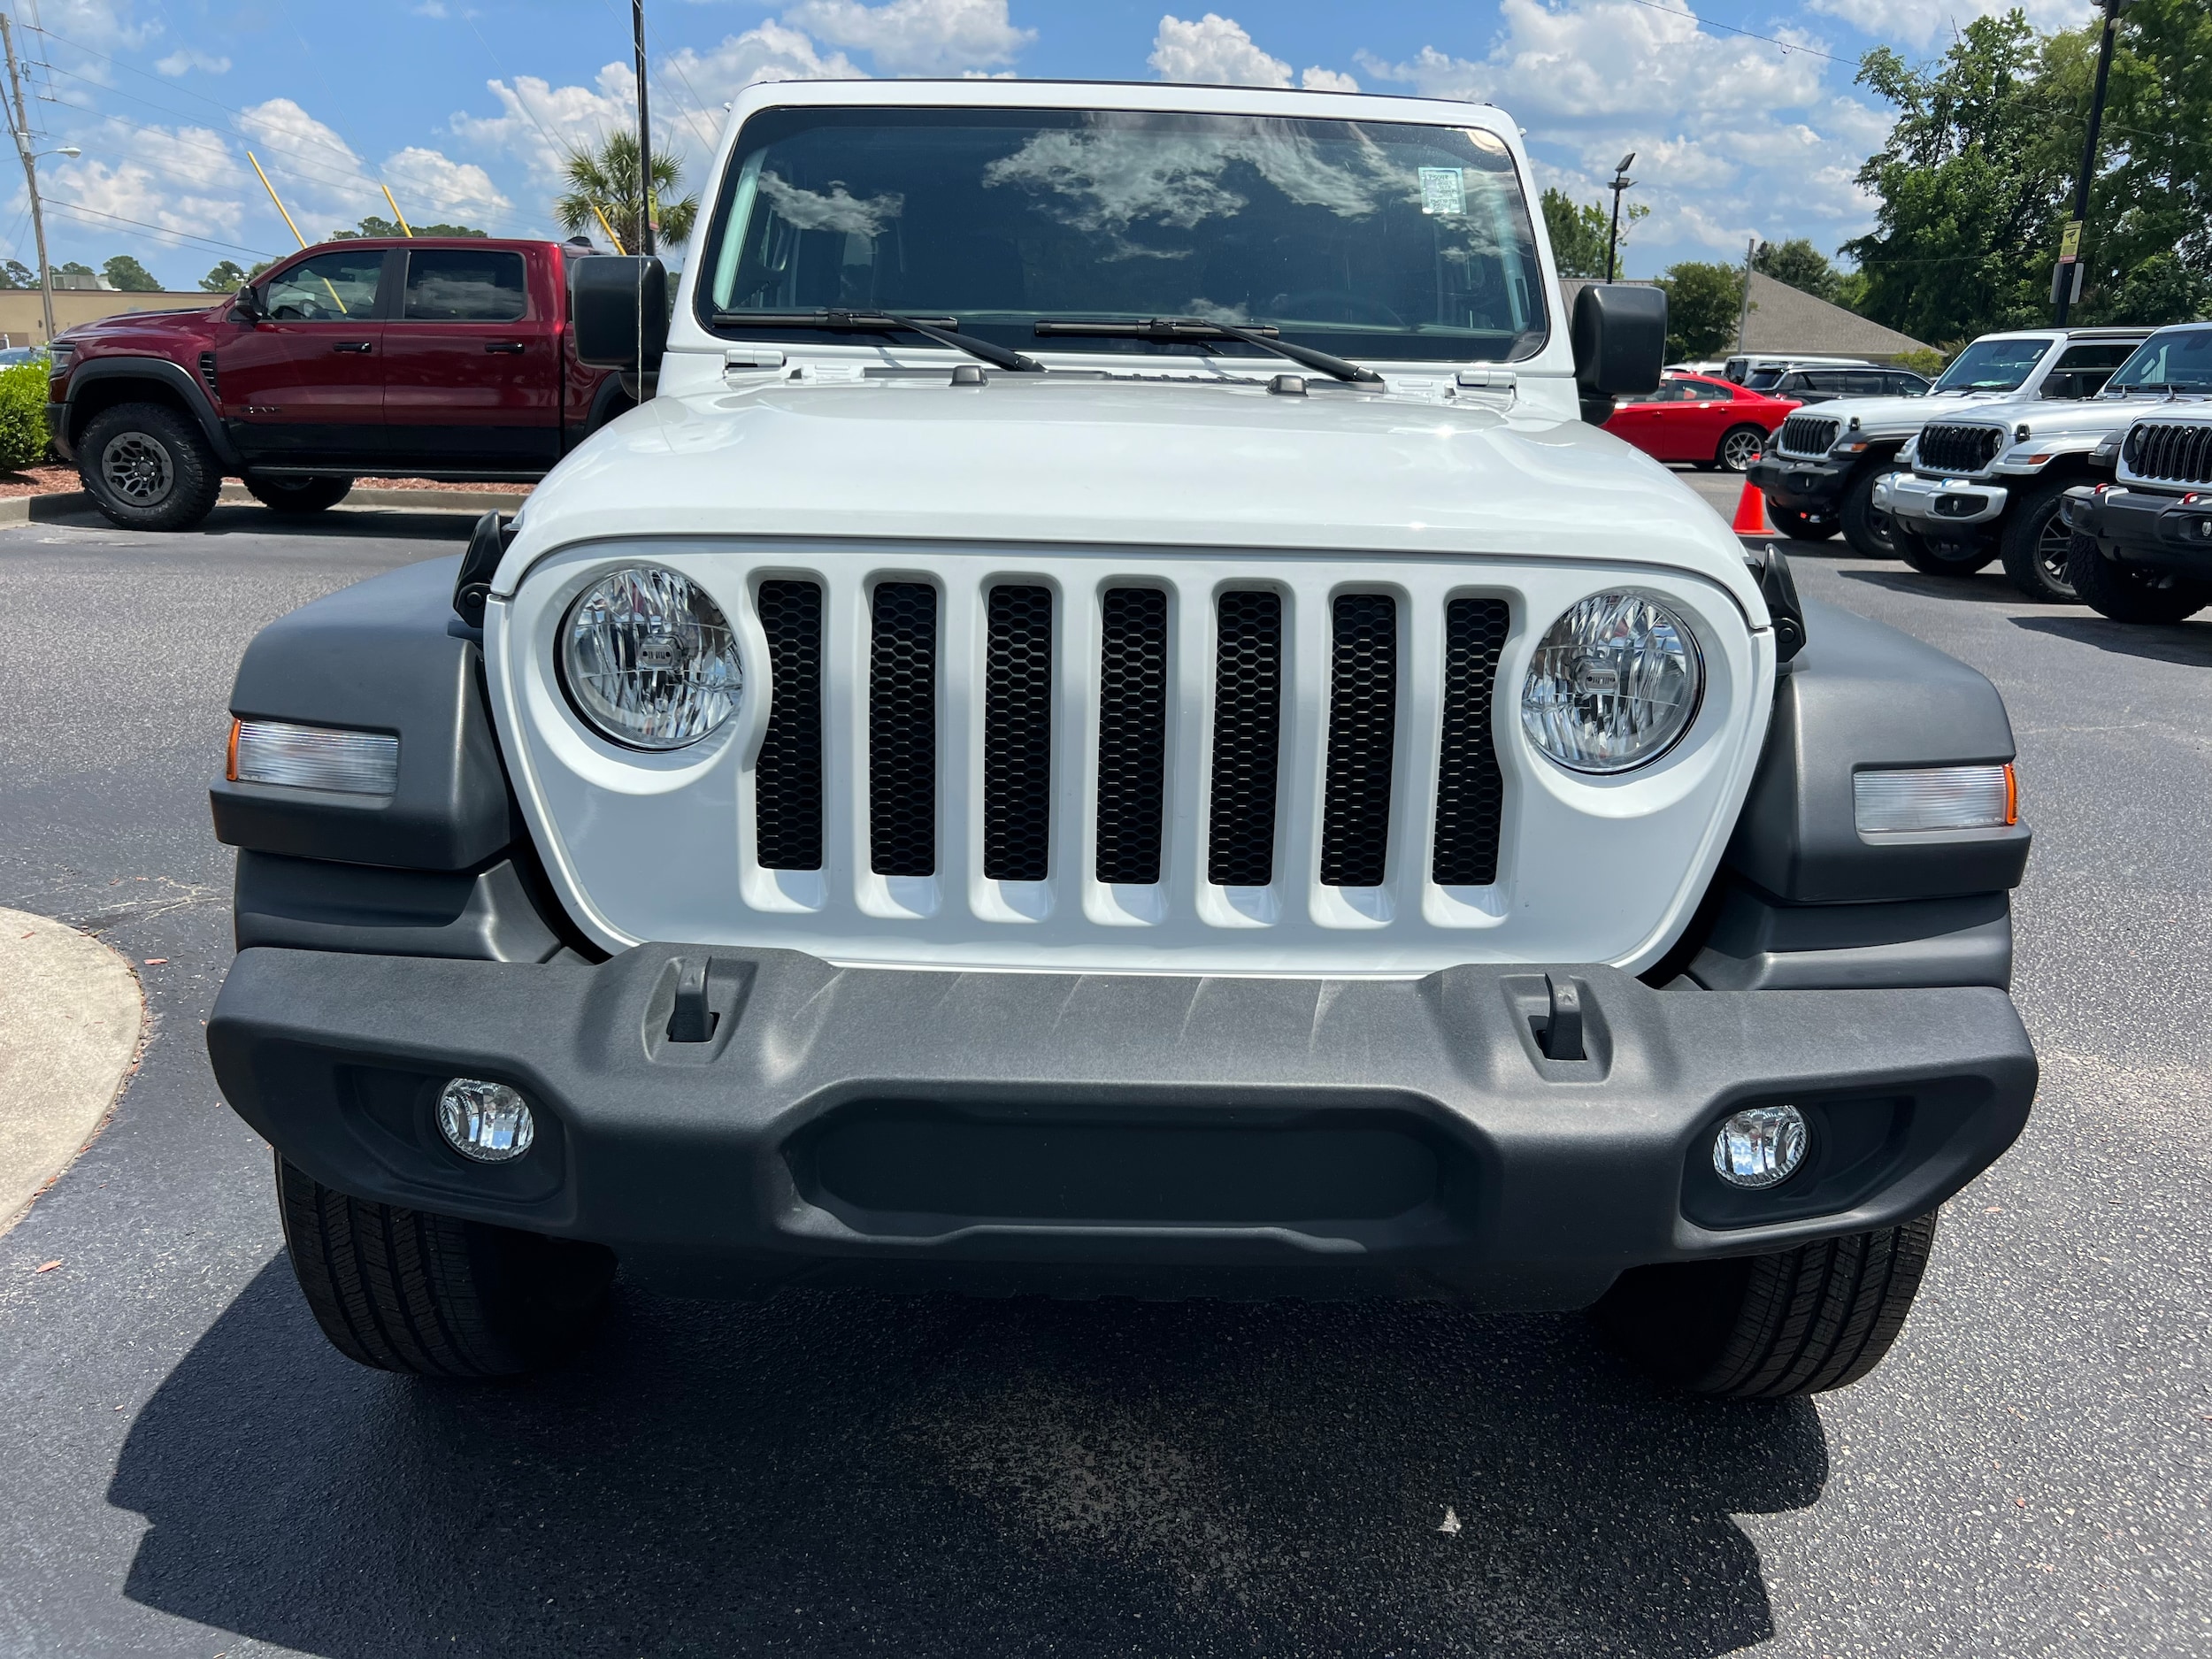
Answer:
(1867, 530)
(1739, 447)
(2132, 593)
(1800, 526)
(1761, 1327)
(149, 467)
(2037, 545)
(1932, 558)
(300, 496)
(427, 1295)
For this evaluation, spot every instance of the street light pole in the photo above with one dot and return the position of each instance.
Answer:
(646, 214)
(30, 177)
(2063, 281)
(1621, 181)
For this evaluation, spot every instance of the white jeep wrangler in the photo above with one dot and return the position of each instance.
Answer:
(1112, 729)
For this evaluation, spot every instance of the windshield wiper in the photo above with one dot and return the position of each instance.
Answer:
(944, 330)
(1199, 330)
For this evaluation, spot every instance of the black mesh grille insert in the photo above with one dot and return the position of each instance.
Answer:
(1948, 449)
(1132, 734)
(902, 731)
(1363, 728)
(1808, 434)
(788, 777)
(1017, 734)
(1470, 795)
(1248, 724)
(2179, 451)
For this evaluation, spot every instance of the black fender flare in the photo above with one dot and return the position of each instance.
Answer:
(171, 378)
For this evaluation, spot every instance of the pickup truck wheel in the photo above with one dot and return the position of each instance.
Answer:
(149, 467)
(405, 1291)
(297, 495)
(1758, 1328)
(1867, 530)
(2130, 592)
(2036, 545)
(1937, 558)
(1739, 447)
(1800, 526)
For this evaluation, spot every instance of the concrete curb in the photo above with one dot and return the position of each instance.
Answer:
(71, 1016)
(65, 503)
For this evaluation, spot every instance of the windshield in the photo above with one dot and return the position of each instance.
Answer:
(1992, 366)
(1365, 238)
(2178, 359)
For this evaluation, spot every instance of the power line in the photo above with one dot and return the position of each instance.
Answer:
(159, 230)
(1707, 23)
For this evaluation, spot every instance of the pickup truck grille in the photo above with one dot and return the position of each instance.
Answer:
(1807, 435)
(2178, 452)
(1957, 449)
(1131, 676)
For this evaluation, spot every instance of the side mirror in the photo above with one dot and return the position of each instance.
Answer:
(1620, 345)
(618, 306)
(248, 306)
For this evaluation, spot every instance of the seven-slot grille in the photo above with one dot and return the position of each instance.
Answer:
(2178, 452)
(1957, 449)
(1807, 435)
(1133, 676)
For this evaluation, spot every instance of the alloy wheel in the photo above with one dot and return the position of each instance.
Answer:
(1739, 450)
(137, 469)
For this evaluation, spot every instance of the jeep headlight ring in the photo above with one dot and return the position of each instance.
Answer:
(648, 661)
(1613, 685)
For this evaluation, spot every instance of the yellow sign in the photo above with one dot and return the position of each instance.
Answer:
(2069, 240)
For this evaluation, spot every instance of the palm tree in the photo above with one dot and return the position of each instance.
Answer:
(606, 182)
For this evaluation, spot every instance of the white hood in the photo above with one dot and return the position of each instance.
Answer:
(2085, 420)
(1898, 417)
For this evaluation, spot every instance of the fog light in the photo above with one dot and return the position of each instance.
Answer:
(488, 1122)
(1760, 1148)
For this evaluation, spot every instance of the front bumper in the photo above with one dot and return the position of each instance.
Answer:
(1933, 506)
(1799, 485)
(57, 431)
(1069, 1132)
(2142, 528)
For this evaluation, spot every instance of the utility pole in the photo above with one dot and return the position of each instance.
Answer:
(648, 210)
(30, 177)
(1743, 319)
(1621, 181)
(2066, 280)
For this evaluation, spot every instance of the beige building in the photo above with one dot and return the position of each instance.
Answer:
(23, 322)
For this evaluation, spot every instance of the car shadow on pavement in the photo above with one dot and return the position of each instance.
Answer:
(339, 525)
(1990, 583)
(2189, 643)
(824, 1471)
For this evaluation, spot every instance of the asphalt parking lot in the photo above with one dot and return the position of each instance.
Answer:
(186, 1467)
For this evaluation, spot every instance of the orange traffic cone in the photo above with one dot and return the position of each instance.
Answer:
(1751, 512)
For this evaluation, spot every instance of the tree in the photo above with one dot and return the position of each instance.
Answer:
(1800, 265)
(1580, 232)
(16, 274)
(607, 181)
(374, 225)
(225, 277)
(1704, 302)
(126, 274)
(74, 268)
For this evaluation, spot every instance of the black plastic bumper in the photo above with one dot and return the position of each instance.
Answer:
(1070, 1133)
(57, 431)
(2136, 525)
(1800, 486)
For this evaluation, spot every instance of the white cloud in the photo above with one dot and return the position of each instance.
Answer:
(431, 185)
(1215, 50)
(184, 178)
(187, 58)
(772, 53)
(327, 184)
(1918, 23)
(917, 37)
(104, 24)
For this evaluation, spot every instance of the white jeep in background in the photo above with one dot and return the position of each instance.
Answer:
(1820, 471)
(1115, 728)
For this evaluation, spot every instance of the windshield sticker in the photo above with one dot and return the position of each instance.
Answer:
(1443, 192)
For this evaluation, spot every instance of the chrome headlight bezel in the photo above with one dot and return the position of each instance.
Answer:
(1661, 654)
(647, 660)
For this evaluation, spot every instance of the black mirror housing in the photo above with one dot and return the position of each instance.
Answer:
(617, 309)
(1620, 342)
(248, 306)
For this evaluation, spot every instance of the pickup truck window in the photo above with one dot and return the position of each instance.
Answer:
(1365, 239)
(331, 288)
(465, 286)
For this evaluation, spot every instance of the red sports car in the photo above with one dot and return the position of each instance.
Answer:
(1700, 417)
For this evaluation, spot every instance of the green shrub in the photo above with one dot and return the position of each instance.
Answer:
(22, 417)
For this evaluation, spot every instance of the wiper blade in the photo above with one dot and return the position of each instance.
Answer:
(944, 330)
(1200, 330)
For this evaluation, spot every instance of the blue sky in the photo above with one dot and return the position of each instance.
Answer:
(461, 106)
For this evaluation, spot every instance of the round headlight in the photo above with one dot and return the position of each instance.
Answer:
(649, 660)
(1613, 685)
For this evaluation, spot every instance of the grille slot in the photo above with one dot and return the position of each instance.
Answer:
(1944, 449)
(1017, 734)
(208, 376)
(902, 731)
(1808, 434)
(788, 777)
(1362, 731)
(2177, 451)
(1247, 731)
(1469, 791)
(1132, 734)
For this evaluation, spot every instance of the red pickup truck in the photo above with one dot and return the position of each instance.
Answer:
(441, 358)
